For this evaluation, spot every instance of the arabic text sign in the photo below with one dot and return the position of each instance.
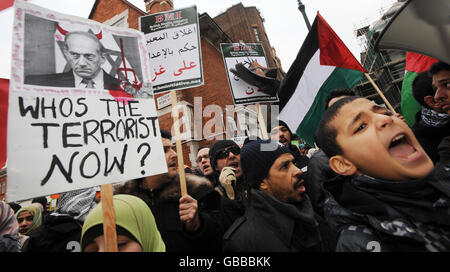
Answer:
(234, 53)
(173, 43)
(65, 138)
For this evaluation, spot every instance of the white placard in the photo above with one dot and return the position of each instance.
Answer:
(173, 44)
(62, 136)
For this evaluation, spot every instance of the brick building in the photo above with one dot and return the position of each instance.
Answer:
(246, 24)
(214, 91)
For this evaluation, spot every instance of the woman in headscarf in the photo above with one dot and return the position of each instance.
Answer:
(9, 229)
(135, 225)
(60, 231)
(29, 218)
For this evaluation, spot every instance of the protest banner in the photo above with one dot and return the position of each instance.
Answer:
(81, 111)
(243, 93)
(173, 44)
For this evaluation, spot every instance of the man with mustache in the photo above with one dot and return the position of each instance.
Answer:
(432, 123)
(440, 72)
(279, 216)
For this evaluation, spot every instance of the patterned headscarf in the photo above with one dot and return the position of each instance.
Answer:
(76, 203)
(132, 214)
(8, 224)
(37, 217)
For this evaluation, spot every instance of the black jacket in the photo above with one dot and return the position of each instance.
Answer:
(430, 137)
(269, 225)
(300, 160)
(319, 172)
(55, 234)
(377, 215)
(164, 204)
(444, 150)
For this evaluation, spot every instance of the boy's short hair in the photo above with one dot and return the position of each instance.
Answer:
(337, 93)
(438, 66)
(326, 133)
(421, 87)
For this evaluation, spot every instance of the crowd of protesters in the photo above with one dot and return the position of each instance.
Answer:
(371, 184)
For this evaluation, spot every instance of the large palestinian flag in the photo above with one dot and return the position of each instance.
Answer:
(415, 64)
(323, 64)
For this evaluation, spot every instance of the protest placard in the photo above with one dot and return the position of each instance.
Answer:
(81, 110)
(242, 92)
(173, 43)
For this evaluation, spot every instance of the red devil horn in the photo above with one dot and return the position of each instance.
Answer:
(99, 35)
(61, 30)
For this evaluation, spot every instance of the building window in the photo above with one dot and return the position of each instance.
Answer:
(120, 23)
(255, 30)
(119, 20)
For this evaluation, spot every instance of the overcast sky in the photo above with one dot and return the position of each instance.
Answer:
(284, 23)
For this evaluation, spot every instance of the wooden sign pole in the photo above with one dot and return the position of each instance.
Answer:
(109, 220)
(380, 93)
(262, 123)
(173, 95)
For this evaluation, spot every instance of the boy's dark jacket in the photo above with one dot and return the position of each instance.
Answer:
(377, 215)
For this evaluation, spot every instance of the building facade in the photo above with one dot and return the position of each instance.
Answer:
(214, 94)
(246, 24)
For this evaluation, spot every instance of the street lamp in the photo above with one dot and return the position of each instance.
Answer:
(301, 7)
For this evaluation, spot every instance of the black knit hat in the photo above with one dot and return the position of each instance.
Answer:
(42, 200)
(257, 158)
(216, 147)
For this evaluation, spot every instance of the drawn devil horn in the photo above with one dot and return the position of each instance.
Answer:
(61, 30)
(99, 35)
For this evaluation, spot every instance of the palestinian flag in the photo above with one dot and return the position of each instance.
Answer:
(4, 4)
(415, 64)
(323, 64)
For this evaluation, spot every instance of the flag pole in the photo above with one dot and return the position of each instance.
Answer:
(380, 93)
(109, 220)
(173, 96)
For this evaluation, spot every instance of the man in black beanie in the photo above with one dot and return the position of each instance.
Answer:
(283, 134)
(279, 217)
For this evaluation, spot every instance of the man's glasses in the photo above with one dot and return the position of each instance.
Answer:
(28, 218)
(226, 152)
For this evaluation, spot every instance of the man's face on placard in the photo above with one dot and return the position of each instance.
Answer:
(84, 55)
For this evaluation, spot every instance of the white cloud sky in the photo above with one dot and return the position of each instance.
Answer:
(284, 23)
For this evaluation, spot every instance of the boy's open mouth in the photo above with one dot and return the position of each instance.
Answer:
(400, 147)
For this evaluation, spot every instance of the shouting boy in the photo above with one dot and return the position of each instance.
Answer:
(394, 198)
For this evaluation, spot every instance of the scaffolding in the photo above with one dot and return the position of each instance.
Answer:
(385, 67)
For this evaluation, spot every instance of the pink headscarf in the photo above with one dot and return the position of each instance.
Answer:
(8, 222)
